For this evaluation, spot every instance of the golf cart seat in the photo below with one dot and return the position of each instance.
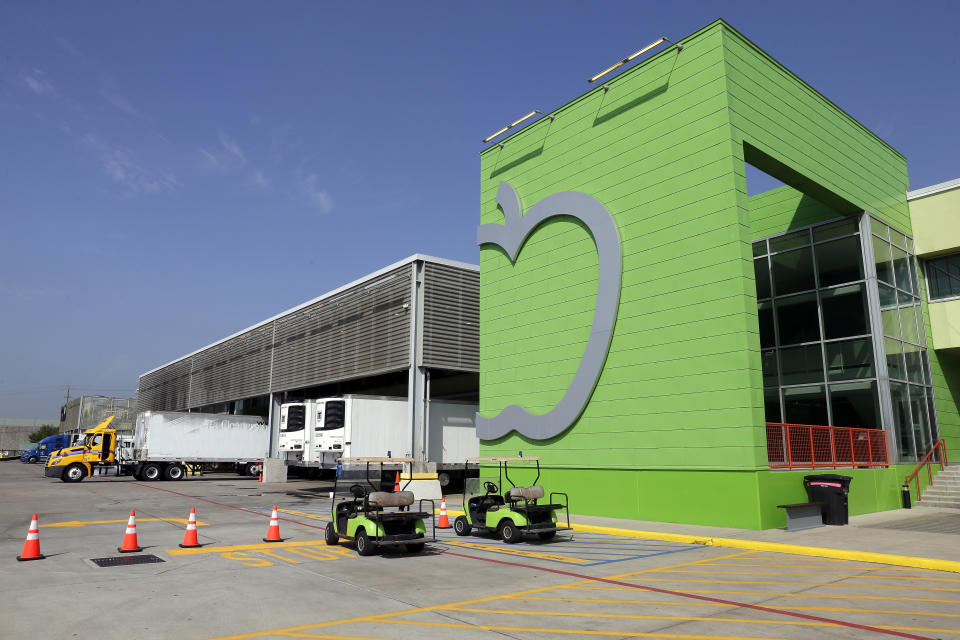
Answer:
(524, 493)
(383, 499)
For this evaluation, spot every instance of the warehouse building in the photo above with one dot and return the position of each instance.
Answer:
(656, 334)
(408, 330)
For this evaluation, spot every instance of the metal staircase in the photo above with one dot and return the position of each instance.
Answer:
(945, 490)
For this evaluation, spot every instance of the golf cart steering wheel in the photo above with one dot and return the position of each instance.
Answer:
(358, 491)
(490, 487)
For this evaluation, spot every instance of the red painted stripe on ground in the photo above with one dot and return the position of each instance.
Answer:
(229, 506)
(692, 596)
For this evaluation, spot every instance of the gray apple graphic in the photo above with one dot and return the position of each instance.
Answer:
(510, 237)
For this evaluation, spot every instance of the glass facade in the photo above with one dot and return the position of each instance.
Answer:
(820, 341)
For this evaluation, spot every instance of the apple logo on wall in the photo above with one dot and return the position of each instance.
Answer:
(511, 237)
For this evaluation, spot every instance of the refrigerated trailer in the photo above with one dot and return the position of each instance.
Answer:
(316, 433)
(165, 444)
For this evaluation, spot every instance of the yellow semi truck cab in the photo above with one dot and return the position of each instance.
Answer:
(96, 454)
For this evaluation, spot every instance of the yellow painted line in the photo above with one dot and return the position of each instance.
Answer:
(245, 547)
(779, 547)
(381, 617)
(516, 552)
(664, 603)
(815, 596)
(450, 512)
(834, 565)
(619, 634)
(303, 515)
(806, 584)
(870, 576)
(83, 523)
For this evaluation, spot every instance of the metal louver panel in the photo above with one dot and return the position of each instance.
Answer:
(362, 331)
(237, 368)
(165, 389)
(451, 318)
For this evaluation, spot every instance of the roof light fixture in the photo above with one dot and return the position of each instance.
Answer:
(633, 56)
(511, 125)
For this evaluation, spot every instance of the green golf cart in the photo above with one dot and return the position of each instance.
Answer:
(515, 512)
(372, 519)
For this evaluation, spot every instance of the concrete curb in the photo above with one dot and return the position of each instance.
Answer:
(773, 547)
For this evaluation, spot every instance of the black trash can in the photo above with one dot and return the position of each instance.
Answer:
(830, 489)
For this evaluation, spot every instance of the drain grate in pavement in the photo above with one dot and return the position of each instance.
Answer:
(123, 561)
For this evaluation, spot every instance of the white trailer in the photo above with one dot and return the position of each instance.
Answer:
(316, 433)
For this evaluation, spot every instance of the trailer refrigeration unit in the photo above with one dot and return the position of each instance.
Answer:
(317, 433)
(165, 443)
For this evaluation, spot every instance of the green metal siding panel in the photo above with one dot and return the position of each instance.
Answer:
(679, 389)
(786, 208)
(776, 112)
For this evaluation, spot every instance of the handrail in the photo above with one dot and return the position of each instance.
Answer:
(805, 446)
(939, 444)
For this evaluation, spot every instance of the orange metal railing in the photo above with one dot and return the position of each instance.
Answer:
(808, 446)
(928, 460)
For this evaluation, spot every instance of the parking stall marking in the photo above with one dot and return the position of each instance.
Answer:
(249, 555)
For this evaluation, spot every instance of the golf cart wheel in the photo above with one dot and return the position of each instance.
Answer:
(509, 532)
(32, 460)
(461, 527)
(547, 535)
(364, 546)
(330, 535)
(416, 547)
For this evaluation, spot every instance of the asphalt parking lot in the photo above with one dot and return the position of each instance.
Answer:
(577, 585)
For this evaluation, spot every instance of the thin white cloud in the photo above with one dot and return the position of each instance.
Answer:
(260, 181)
(36, 82)
(309, 186)
(255, 119)
(123, 167)
(230, 146)
(119, 101)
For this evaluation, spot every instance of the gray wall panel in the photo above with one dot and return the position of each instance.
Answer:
(451, 318)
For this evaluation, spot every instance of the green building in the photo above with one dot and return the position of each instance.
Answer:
(646, 326)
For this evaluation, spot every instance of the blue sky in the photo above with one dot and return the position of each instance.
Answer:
(174, 172)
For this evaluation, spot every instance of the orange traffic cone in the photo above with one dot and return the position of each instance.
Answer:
(31, 548)
(396, 486)
(130, 536)
(443, 522)
(273, 533)
(190, 537)
(260, 478)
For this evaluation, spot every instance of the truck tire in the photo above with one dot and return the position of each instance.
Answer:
(253, 469)
(174, 472)
(74, 473)
(444, 478)
(32, 460)
(150, 471)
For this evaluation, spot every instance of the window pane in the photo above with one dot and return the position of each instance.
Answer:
(943, 274)
(790, 240)
(855, 404)
(932, 416)
(768, 360)
(771, 404)
(895, 366)
(844, 311)
(918, 408)
(839, 261)
(761, 272)
(888, 296)
(908, 324)
(849, 359)
(912, 356)
(765, 313)
(759, 248)
(898, 238)
(881, 256)
(792, 271)
(797, 319)
(901, 269)
(834, 230)
(891, 322)
(799, 365)
(805, 405)
(901, 420)
(878, 228)
(925, 366)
